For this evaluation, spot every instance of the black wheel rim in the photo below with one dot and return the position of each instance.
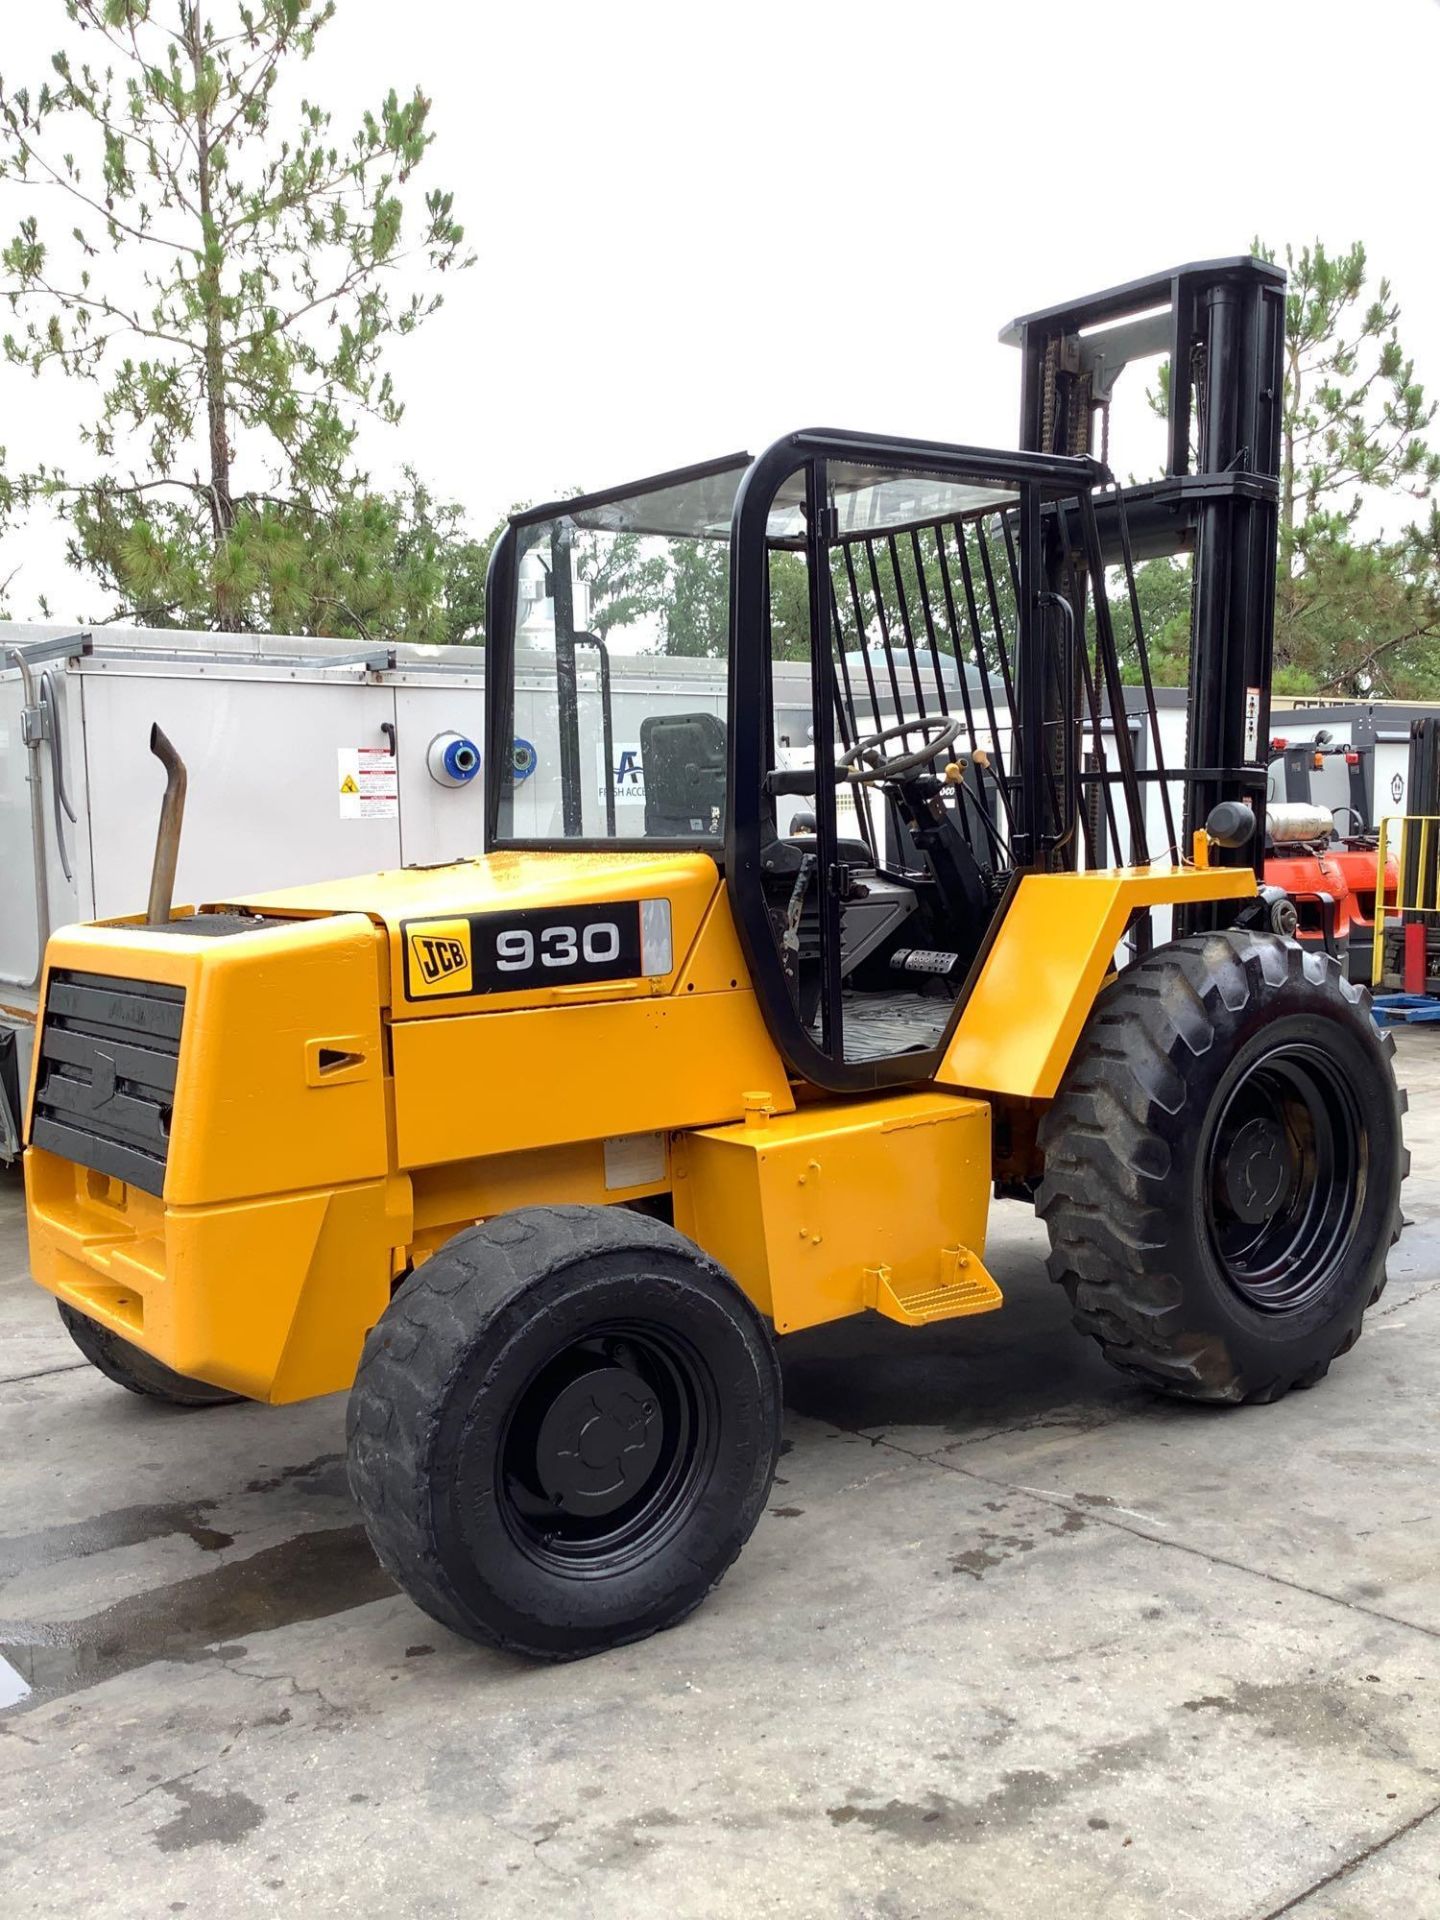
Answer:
(1285, 1178)
(608, 1448)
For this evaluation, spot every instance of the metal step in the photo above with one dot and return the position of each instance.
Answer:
(965, 1287)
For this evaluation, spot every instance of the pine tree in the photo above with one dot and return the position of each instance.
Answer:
(231, 280)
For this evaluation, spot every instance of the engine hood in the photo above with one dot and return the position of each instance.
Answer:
(460, 908)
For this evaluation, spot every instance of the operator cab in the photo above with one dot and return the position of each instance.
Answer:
(815, 667)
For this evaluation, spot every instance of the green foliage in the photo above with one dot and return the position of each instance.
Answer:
(434, 549)
(1358, 617)
(627, 575)
(927, 581)
(1162, 592)
(1355, 415)
(695, 601)
(678, 590)
(695, 610)
(789, 607)
(233, 274)
(1356, 613)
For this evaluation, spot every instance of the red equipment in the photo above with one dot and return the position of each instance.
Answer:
(1330, 877)
(1332, 882)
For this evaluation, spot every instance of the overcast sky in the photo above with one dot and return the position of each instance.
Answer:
(702, 225)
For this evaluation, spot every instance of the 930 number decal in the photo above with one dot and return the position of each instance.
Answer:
(508, 952)
(517, 949)
(560, 947)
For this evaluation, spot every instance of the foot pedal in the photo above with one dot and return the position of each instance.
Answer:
(922, 960)
(965, 1287)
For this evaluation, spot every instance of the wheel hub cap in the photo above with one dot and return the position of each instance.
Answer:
(1286, 1177)
(1259, 1171)
(599, 1441)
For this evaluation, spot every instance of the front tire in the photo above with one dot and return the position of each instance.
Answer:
(564, 1429)
(1222, 1168)
(134, 1370)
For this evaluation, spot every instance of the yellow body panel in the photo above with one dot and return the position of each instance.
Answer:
(254, 1112)
(1048, 960)
(513, 883)
(270, 1298)
(288, 1208)
(844, 1205)
(328, 1132)
(581, 1172)
(465, 1088)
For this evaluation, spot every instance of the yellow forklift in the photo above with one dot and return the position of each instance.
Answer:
(753, 1001)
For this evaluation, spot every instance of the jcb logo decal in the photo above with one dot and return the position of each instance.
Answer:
(437, 958)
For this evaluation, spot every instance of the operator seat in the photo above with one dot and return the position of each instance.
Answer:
(683, 759)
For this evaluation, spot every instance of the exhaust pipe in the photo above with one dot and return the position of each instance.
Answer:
(167, 840)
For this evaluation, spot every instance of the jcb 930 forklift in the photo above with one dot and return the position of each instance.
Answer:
(537, 1153)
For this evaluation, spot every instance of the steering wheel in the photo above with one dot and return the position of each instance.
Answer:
(864, 764)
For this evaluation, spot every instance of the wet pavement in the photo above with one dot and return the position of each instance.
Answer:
(1014, 1639)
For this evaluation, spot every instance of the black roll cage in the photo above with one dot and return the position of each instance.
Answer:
(749, 804)
(1069, 527)
(1048, 804)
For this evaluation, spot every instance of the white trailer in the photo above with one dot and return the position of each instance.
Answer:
(307, 759)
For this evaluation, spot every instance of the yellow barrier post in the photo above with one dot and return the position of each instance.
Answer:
(1377, 950)
(1421, 897)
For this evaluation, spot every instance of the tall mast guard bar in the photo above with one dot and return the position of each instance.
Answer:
(1222, 324)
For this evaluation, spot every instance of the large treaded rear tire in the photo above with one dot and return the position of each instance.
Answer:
(134, 1370)
(472, 1412)
(1145, 1168)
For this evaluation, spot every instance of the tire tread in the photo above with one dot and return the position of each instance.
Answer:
(413, 1354)
(1105, 1157)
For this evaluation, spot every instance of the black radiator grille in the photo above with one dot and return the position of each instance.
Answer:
(106, 1081)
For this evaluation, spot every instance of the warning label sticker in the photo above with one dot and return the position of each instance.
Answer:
(1251, 750)
(368, 784)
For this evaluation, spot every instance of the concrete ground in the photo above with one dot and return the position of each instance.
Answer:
(1015, 1639)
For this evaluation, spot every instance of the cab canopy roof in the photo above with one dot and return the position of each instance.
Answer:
(918, 482)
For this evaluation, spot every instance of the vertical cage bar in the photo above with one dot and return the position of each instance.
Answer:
(1002, 782)
(1036, 775)
(822, 674)
(861, 637)
(987, 690)
(928, 615)
(982, 544)
(1107, 661)
(1142, 650)
(845, 710)
(1087, 678)
(567, 691)
(883, 617)
(902, 602)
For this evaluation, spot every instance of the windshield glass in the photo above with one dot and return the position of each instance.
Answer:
(876, 499)
(622, 630)
(621, 635)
